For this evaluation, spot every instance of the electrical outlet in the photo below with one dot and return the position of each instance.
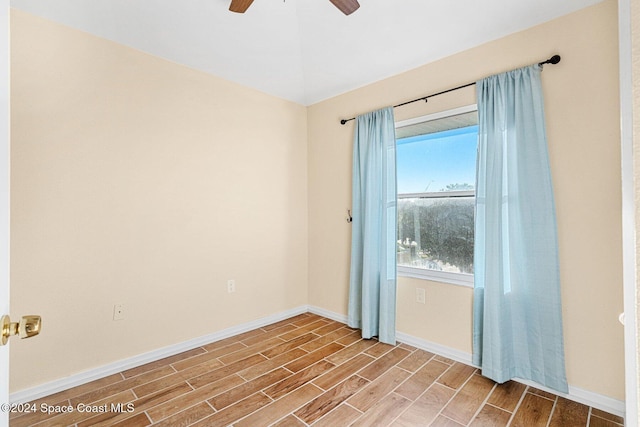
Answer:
(231, 286)
(118, 312)
(421, 296)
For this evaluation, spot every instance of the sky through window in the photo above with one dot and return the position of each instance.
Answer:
(428, 163)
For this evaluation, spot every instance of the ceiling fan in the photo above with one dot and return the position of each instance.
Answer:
(346, 6)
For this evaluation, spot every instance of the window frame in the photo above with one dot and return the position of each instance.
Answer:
(459, 279)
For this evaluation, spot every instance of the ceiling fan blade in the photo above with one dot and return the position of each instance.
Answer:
(240, 6)
(346, 6)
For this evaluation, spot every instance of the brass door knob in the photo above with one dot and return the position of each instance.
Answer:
(28, 327)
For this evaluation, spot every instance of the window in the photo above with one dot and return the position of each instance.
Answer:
(436, 167)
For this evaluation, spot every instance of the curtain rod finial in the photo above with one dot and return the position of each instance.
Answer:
(553, 60)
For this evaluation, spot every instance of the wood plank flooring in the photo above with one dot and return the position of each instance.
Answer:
(307, 371)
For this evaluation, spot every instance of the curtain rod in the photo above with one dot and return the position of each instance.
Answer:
(553, 60)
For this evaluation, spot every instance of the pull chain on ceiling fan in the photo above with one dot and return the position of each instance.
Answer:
(346, 6)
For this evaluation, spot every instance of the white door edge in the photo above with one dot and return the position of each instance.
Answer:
(628, 215)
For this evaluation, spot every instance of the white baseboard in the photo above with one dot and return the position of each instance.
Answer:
(441, 350)
(84, 377)
(586, 397)
(328, 314)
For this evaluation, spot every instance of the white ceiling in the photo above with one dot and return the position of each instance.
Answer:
(301, 50)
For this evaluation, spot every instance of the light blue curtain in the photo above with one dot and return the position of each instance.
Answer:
(372, 290)
(517, 311)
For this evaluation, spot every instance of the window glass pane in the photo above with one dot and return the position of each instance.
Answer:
(436, 168)
(441, 161)
(436, 233)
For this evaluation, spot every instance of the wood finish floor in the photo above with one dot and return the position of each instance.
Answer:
(309, 370)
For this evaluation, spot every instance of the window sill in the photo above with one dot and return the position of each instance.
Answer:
(458, 279)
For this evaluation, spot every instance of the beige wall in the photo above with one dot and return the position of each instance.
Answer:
(582, 111)
(139, 181)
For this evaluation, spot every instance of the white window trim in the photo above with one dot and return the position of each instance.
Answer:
(459, 279)
(437, 194)
(438, 115)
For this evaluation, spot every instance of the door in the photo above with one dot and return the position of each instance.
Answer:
(4, 201)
